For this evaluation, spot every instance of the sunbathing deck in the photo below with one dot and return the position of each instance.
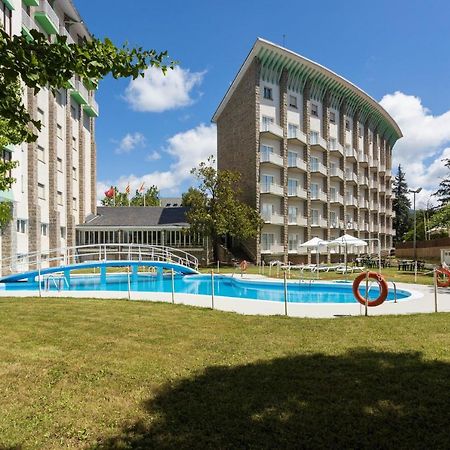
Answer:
(421, 301)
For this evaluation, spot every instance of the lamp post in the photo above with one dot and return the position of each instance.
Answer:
(414, 192)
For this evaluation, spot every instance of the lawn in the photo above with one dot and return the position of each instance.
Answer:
(117, 374)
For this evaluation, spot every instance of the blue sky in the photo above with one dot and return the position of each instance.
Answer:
(154, 131)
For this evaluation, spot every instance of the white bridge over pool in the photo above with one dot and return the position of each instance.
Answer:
(65, 260)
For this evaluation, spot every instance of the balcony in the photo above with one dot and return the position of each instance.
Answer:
(297, 163)
(79, 93)
(273, 249)
(382, 209)
(299, 220)
(351, 177)
(337, 198)
(272, 158)
(335, 172)
(318, 168)
(363, 203)
(373, 228)
(351, 153)
(299, 192)
(319, 196)
(28, 24)
(322, 223)
(352, 225)
(297, 136)
(364, 226)
(274, 219)
(373, 162)
(272, 130)
(318, 143)
(64, 32)
(382, 167)
(351, 201)
(47, 18)
(373, 205)
(335, 147)
(91, 109)
(272, 188)
(363, 159)
(363, 180)
(337, 224)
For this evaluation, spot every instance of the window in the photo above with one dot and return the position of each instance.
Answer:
(59, 97)
(41, 153)
(6, 156)
(314, 163)
(59, 196)
(333, 143)
(333, 219)
(314, 191)
(333, 194)
(74, 143)
(266, 181)
(41, 191)
(314, 216)
(347, 124)
(267, 240)
(74, 173)
(292, 159)
(293, 241)
(21, 226)
(266, 122)
(292, 214)
(74, 203)
(268, 93)
(63, 232)
(332, 117)
(266, 152)
(59, 165)
(44, 229)
(313, 137)
(293, 101)
(267, 210)
(59, 131)
(292, 186)
(292, 130)
(40, 116)
(5, 18)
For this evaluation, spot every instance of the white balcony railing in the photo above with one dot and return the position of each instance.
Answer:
(271, 189)
(272, 128)
(299, 192)
(272, 158)
(320, 222)
(363, 203)
(318, 168)
(335, 146)
(45, 7)
(350, 152)
(298, 220)
(336, 172)
(320, 195)
(298, 135)
(28, 22)
(363, 158)
(274, 218)
(297, 163)
(351, 176)
(336, 198)
(351, 201)
(363, 180)
(272, 249)
(318, 141)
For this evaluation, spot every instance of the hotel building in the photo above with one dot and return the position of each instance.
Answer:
(55, 185)
(314, 151)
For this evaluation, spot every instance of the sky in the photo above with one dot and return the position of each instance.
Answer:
(155, 129)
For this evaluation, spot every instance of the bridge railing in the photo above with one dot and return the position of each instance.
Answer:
(101, 253)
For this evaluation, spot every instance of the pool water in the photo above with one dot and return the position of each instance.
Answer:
(297, 292)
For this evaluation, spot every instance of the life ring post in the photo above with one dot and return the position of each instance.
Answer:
(384, 289)
(366, 303)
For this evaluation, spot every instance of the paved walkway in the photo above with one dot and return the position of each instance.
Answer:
(421, 301)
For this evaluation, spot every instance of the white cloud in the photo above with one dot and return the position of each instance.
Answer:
(425, 138)
(154, 156)
(156, 92)
(130, 141)
(185, 149)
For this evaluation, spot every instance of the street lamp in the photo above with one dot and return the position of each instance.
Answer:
(414, 192)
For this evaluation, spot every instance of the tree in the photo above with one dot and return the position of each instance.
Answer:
(151, 197)
(214, 209)
(37, 63)
(401, 205)
(443, 192)
(440, 220)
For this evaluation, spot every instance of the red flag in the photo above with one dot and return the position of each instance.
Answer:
(128, 189)
(141, 189)
(110, 192)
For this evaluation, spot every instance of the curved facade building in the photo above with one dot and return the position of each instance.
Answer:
(314, 151)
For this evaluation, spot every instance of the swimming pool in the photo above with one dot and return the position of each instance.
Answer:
(224, 286)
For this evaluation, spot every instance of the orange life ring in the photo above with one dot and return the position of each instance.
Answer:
(381, 282)
(445, 272)
(243, 265)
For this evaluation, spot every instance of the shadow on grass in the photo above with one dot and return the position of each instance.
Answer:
(362, 399)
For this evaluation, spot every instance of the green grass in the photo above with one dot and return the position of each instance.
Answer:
(117, 374)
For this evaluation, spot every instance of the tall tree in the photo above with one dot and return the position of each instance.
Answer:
(443, 192)
(214, 209)
(37, 63)
(151, 197)
(401, 205)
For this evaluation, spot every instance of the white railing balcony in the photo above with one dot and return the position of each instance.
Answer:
(274, 218)
(364, 226)
(64, 32)
(272, 128)
(351, 201)
(336, 198)
(298, 135)
(299, 220)
(336, 147)
(336, 172)
(272, 158)
(318, 168)
(350, 153)
(320, 222)
(382, 209)
(373, 161)
(28, 22)
(272, 249)
(272, 188)
(320, 196)
(297, 163)
(373, 228)
(374, 185)
(363, 203)
(319, 141)
(351, 176)
(299, 192)
(373, 205)
(382, 167)
(337, 224)
(363, 158)
(352, 225)
(44, 8)
(363, 180)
